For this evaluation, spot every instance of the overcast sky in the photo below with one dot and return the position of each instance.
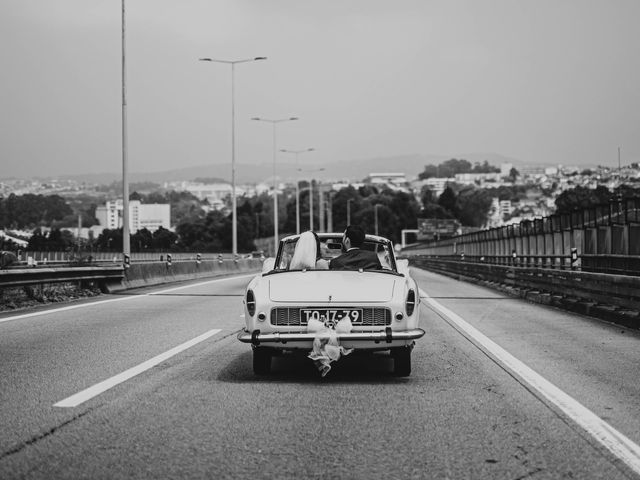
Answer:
(553, 81)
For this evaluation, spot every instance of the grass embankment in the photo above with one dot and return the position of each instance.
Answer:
(24, 297)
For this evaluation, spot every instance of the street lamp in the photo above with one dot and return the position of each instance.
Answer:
(297, 152)
(375, 211)
(234, 219)
(349, 211)
(274, 122)
(126, 245)
(311, 194)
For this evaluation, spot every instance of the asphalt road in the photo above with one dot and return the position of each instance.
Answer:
(201, 413)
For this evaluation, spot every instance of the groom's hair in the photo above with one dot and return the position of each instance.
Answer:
(355, 234)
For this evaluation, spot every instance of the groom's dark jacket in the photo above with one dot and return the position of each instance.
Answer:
(354, 259)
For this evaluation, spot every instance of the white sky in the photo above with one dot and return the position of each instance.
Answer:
(553, 81)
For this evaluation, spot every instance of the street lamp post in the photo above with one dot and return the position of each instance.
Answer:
(349, 211)
(297, 152)
(375, 210)
(311, 194)
(234, 220)
(126, 246)
(274, 122)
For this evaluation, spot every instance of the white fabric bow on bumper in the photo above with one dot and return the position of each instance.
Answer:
(326, 346)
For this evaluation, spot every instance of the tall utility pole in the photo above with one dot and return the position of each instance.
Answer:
(329, 211)
(619, 167)
(311, 194)
(321, 209)
(349, 211)
(297, 153)
(126, 241)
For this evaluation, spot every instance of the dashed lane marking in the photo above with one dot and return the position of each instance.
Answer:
(97, 389)
(617, 443)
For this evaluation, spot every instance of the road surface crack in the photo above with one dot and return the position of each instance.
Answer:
(21, 446)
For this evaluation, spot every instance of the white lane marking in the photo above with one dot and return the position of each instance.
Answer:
(613, 440)
(98, 388)
(119, 299)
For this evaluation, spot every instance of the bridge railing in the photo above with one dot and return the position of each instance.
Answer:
(604, 238)
(621, 291)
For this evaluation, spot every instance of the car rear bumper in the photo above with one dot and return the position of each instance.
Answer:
(282, 338)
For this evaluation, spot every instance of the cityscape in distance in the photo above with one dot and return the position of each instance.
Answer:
(517, 191)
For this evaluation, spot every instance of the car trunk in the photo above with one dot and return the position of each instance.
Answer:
(331, 286)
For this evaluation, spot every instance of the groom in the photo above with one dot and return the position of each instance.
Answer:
(354, 257)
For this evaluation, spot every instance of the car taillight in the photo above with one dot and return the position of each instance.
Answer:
(411, 302)
(251, 303)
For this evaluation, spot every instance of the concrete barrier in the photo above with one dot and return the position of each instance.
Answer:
(156, 273)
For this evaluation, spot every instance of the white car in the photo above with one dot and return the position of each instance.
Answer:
(383, 305)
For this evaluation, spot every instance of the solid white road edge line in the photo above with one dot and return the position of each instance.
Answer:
(119, 299)
(97, 389)
(613, 440)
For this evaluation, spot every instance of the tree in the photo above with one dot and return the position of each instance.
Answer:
(427, 196)
(55, 240)
(110, 240)
(484, 168)
(30, 210)
(581, 197)
(473, 205)
(346, 199)
(447, 200)
(446, 169)
(141, 240)
(164, 239)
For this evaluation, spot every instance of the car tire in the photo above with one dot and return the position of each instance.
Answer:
(261, 360)
(401, 361)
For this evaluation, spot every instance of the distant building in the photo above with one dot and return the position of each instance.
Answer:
(476, 178)
(150, 216)
(437, 185)
(394, 181)
(214, 193)
(505, 208)
(505, 169)
(396, 178)
(531, 171)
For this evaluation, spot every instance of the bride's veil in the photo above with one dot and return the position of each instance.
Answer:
(304, 255)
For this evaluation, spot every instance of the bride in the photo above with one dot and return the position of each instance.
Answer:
(307, 253)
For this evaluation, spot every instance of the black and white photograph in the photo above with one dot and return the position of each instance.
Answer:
(320, 239)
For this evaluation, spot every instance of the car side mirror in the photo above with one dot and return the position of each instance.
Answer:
(268, 264)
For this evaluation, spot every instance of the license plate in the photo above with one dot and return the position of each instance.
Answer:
(333, 315)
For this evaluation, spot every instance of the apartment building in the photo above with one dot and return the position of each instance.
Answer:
(150, 216)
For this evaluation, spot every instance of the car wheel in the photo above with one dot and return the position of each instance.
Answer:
(401, 361)
(261, 360)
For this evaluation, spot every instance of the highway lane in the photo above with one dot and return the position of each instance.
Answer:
(46, 358)
(203, 414)
(593, 361)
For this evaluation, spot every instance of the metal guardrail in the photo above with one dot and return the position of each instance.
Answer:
(88, 258)
(20, 277)
(622, 291)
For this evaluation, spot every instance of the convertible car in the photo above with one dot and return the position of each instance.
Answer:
(382, 305)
